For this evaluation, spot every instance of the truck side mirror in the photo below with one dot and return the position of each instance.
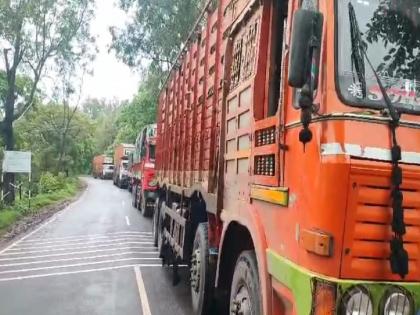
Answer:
(306, 39)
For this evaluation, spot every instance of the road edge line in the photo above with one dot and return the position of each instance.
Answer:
(142, 292)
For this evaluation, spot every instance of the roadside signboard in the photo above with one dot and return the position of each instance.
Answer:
(17, 162)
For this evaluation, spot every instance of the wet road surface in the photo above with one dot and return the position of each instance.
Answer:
(95, 257)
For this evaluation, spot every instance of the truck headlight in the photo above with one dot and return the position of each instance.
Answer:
(357, 301)
(397, 303)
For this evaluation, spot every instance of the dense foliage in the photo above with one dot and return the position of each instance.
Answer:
(156, 31)
(60, 138)
(36, 35)
(139, 112)
(396, 24)
(50, 37)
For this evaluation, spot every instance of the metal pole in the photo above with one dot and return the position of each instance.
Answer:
(29, 191)
(2, 185)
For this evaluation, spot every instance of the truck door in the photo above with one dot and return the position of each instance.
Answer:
(266, 140)
(246, 55)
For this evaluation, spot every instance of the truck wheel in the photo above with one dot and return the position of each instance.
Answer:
(245, 295)
(156, 215)
(146, 211)
(202, 277)
(160, 221)
(134, 197)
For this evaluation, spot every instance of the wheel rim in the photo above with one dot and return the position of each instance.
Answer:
(241, 303)
(195, 271)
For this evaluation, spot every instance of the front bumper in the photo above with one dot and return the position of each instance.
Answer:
(107, 175)
(300, 282)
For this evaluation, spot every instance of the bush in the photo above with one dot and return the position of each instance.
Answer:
(8, 217)
(49, 183)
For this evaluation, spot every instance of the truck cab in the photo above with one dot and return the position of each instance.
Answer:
(121, 154)
(107, 171)
(144, 185)
(288, 164)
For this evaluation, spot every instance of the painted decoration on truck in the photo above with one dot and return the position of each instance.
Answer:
(244, 54)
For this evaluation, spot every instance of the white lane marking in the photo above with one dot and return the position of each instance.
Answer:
(71, 265)
(123, 203)
(75, 248)
(118, 240)
(28, 235)
(142, 292)
(89, 235)
(53, 218)
(75, 258)
(127, 220)
(83, 252)
(104, 238)
(76, 272)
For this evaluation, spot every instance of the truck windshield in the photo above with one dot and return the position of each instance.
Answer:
(390, 31)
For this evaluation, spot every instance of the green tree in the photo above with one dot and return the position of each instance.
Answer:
(97, 108)
(106, 130)
(396, 23)
(157, 30)
(22, 91)
(140, 111)
(35, 33)
(60, 137)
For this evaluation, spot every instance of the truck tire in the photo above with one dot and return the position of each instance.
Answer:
(156, 215)
(160, 223)
(146, 211)
(245, 297)
(202, 275)
(134, 196)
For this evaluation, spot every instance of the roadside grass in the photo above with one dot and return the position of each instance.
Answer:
(11, 214)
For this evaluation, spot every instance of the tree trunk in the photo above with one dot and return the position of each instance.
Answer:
(7, 133)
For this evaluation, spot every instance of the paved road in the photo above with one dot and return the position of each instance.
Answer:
(95, 257)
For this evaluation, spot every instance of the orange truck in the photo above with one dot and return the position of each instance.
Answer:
(102, 167)
(288, 158)
(121, 153)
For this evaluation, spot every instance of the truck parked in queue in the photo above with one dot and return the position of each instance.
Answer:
(102, 167)
(288, 158)
(121, 154)
(142, 170)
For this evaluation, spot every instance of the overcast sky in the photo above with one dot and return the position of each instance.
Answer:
(111, 78)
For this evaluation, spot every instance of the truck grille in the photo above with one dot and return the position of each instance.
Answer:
(368, 231)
